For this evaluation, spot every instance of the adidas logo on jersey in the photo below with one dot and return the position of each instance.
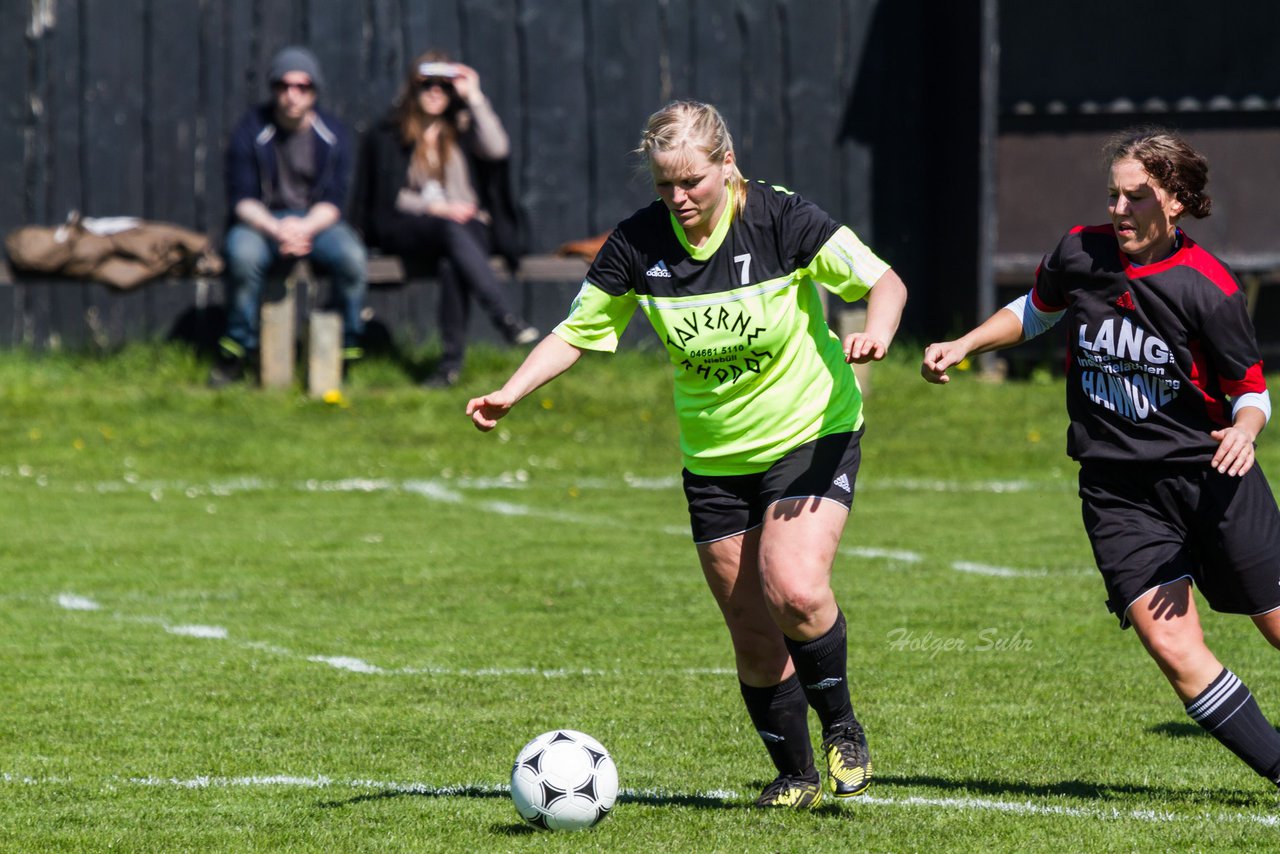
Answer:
(843, 482)
(1125, 301)
(659, 269)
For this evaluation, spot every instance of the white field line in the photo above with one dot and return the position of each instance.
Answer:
(997, 487)
(131, 482)
(435, 490)
(350, 664)
(453, 491)
(904, 556)
(1023, 807)
(211, 632)
(996, 571)
(71, 602)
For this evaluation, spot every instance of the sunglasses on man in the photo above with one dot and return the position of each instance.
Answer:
(282, 86)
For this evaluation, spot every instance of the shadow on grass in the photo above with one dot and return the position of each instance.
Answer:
(1178, 729)
(1083, 790)
(655, 799)
(390, 794)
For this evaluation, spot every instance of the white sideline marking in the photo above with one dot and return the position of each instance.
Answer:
(1029, 808)
(343, 662)
(436, 490)
(888, 554)
(651, 483)
(224, 782)
(351, 484)
(506, 508)
(921, 485)
(433, 490)
(997, 571)
(76, 603)
(211, 632)
(33, 781)
(959, 565)
(352, 664)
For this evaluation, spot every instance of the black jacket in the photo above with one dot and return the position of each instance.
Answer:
(250, 165)
(380, 175)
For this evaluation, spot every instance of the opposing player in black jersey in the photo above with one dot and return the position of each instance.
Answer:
(1166, 397)
(770, 416)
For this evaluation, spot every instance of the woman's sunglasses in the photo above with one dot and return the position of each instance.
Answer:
(444, 83)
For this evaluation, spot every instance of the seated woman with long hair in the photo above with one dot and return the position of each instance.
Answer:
(423, 181)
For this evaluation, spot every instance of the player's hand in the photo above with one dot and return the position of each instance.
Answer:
(860, 348)
(939, 357)
(1235, 453)
(486, 411)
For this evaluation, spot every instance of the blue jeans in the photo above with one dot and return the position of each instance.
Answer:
(251, 257)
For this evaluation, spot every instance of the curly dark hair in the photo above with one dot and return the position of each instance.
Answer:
(1182, 171)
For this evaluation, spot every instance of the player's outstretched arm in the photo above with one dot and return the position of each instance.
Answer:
(884, 312)
(1002, 329)
(551, 358)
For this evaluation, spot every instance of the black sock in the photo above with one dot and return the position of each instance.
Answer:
(1227, 710)
(781, 716)
(822, 666)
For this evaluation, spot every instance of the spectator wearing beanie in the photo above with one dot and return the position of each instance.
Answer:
(288, 169)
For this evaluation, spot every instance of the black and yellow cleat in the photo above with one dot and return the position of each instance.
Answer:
(848, 761)
(797, 793)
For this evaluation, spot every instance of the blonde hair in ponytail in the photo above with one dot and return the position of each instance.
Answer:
(695, 125)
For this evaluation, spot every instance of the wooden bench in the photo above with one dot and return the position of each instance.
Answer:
(324, 328)
(386, 270)
(51, 311)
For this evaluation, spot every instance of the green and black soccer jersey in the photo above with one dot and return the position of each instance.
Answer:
(757, 370)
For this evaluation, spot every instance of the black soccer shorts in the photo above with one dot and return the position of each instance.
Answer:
(1151, 524)
(728, 505)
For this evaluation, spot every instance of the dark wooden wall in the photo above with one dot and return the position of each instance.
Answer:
(871, 108)
(1070, 79)
(123, 106)
(115, 107)
(1205, 69)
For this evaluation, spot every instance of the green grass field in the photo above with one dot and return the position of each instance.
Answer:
(248, 621)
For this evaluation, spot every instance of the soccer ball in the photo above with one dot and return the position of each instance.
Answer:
(564, 780)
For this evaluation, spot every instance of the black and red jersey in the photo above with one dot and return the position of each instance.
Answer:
(1155, 353)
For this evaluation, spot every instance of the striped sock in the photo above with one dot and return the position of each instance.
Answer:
(1228, 712)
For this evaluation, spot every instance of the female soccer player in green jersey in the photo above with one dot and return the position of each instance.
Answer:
(769, 409)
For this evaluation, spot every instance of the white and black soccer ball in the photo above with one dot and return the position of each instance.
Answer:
(564, 780)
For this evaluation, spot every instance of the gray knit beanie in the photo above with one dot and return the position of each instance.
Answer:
(295, 59)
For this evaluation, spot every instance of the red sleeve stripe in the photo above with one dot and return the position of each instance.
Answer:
(1041, 305)
(1251, 383)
